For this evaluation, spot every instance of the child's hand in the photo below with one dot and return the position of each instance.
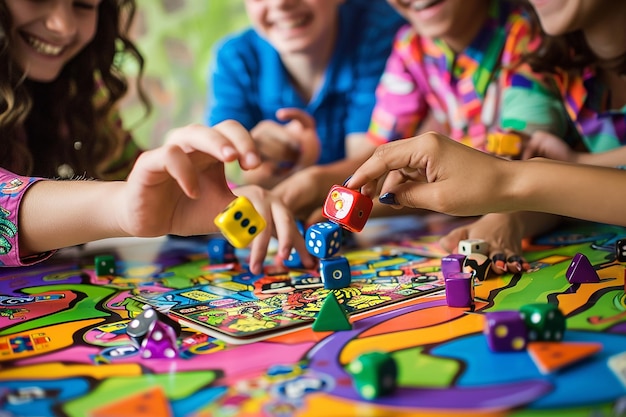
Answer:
(280, 223)
(547, 145)
(433, 172)
(284, 148)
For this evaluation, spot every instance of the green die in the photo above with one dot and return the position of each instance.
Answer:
(374, 374)
(544, 321)
(105, 265)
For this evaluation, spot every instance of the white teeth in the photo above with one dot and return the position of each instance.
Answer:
(291, 23)
(416, 5)
(44, 48)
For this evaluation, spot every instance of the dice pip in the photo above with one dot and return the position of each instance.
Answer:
(348, 208)
(239, 222)
(469, 246)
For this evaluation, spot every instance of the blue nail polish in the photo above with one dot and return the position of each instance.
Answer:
(346, 181)
(388, 198)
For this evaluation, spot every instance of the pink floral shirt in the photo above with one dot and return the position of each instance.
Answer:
(12, 190)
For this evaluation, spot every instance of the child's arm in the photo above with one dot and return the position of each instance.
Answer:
(177, 188)
(436, 173)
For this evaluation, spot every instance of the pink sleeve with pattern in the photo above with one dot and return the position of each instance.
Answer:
(12, 190)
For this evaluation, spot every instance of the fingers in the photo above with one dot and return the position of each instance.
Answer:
(227, 141)
(292, 113)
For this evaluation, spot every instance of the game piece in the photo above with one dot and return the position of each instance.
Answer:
(159, 343)
(452, 263)
(323, 239)
(505, 331)
(581, 270)
(617, 365)
(460, 289)
(469, 246)
(504, 144)
(478, 264)
(620, 250)
(335, 273)
(332, 317)
(374, 374)
(104, 265)
(220, 251)
(544, 321)
(552, 356)
(348, 208)
(239, 222)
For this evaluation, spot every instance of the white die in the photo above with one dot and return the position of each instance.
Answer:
(469, 246)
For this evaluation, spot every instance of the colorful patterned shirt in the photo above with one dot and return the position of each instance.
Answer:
(587, 101)
(483, 89)
(12, 189)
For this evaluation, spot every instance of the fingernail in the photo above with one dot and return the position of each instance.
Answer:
(346, 181)
(228, 152)
(388, 198)
(499, 260)
(252, 159)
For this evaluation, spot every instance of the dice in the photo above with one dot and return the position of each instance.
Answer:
(323, 240)
(104, 265)
(544, 321)
(620, 250)
(239, 222)
(505, 331)
(220, 251)
(159, 343)
(374, 374)
(335, 273)
(139, 327)
(459, 289)
(469, 246)
(348, 208)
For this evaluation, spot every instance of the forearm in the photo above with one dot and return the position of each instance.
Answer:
(585, 192)
(56, 214)
(613, 158)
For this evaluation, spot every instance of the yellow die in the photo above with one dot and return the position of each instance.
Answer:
(239, 222)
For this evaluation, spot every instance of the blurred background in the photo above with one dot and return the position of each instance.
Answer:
(176, 38)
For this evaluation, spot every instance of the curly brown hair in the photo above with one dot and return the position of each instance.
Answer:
(41, 122)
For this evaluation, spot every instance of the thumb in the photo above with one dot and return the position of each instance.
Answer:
(295, 114)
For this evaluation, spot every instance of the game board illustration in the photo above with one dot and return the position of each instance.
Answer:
(241, 307)
(64, 350)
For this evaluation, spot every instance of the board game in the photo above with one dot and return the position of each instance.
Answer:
(64, 350)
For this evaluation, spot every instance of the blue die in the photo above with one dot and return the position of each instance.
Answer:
(220, 251)
(323, 240)
(335, 273)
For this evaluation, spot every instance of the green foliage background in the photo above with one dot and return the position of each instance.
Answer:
(176, 38)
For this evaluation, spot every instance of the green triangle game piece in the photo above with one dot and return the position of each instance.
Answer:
(332, 316)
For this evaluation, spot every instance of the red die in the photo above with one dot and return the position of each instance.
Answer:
(348, 208)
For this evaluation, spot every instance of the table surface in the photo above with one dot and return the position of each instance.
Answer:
(64, 350)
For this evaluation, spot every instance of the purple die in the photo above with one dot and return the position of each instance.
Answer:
(581, 270)
(160, 342)
(452, 263)
(505, 331)
(335, 273)
(460, 289)
(220, 251)
(323, 240)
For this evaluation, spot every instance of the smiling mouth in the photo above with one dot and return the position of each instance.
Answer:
(418, 6)
(292, 24)
(43, 47)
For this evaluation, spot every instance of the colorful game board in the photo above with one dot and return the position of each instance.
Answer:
(64, 350)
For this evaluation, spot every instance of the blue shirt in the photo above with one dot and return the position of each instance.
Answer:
(248, 81)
